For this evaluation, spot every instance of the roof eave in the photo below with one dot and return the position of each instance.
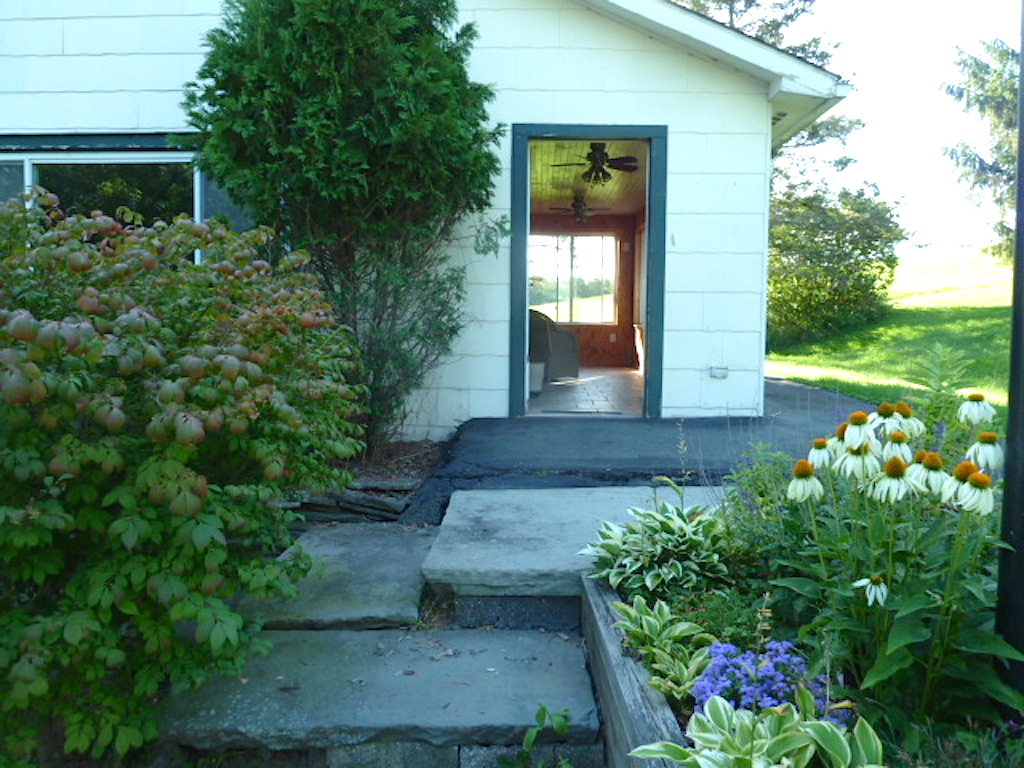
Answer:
(800, 92)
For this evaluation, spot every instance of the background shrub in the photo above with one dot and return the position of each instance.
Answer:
(831, 260)
(152, 410)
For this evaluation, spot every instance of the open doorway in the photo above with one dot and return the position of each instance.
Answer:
(586, 275)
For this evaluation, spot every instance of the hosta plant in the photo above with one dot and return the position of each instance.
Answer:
(788, 735)
(661, 551)
(152, 410)
(674, 650)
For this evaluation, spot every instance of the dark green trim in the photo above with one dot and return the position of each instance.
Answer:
(86, 142)
(657, 182)
(518, 327)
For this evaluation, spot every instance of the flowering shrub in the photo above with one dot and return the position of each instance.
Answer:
(151, 411)
(896, 558)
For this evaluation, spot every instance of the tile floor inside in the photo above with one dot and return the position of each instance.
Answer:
(610, 391)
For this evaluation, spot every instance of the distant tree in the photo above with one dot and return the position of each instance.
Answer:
(989, 88)
(352, 127)
(767, 21)
(831, 262)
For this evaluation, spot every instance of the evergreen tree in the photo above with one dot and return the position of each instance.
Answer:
(989, 88)
(352, 127)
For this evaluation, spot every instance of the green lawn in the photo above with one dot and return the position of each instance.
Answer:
(961, 300)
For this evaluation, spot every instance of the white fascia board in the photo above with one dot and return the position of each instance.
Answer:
(781, 72)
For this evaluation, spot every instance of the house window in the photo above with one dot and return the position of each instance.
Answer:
(157, 184)
(154, 190)
(11, 180)
(573, 277)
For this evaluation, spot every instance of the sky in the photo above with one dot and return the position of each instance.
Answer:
(899, 55)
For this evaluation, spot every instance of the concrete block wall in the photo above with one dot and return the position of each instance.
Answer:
(112, 67)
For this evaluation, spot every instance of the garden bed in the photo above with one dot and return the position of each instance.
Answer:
(633, 713)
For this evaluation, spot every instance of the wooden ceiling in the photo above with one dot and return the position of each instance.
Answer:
(556, 178)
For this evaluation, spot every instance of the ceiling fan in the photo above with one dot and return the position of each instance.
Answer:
(600, 161)
(579, 209)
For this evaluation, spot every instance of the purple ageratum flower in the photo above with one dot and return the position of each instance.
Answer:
(757, 681)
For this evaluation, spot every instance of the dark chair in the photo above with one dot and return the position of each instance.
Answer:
(556, 347)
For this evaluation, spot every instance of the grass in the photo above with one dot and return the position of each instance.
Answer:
(959, 299)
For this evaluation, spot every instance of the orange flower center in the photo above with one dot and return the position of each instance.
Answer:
(919, 456)
(820, 443)
(964, 470)
(980, 480)
(895, 467)
(862, 450)
(897, 437)
(803, 469)
(933, 461)
(885, 410)
(976, 397)
(991, 438)
(858, 418)
(841, 430)
(904, 410)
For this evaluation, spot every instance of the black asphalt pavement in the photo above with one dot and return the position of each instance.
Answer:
(588, 451)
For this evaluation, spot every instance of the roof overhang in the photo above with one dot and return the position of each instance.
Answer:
(799, 92)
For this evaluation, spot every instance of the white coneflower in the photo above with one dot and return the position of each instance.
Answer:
(933, 477)
(820, 456)
(886, 418)
(857, 463)
(951, 487)
(835, 443)
(897, 445)
(976, 410)
(858, 433)
(804, 484)
(874, 589)
(893, 484)
(976, 494)
(911, 426)
(987, 453)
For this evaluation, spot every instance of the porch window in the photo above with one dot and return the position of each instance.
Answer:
(573, 278)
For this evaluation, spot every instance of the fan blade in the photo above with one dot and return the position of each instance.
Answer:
(623, 163)
(564, 165)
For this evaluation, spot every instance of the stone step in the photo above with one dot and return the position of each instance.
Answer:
(527, 542)
(347, 689)
(369, 576)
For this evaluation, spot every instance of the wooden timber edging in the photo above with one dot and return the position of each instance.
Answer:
(633, 713)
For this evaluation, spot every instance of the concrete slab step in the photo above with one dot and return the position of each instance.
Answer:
(526, 542)
(334, 688)
(369, 577)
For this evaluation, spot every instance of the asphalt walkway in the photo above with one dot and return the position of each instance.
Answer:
(589, 451)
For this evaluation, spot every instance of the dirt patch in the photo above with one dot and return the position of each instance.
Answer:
(400, 463)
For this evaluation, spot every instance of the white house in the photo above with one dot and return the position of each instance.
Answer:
(636, 168)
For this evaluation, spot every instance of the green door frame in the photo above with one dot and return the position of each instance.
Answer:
(657, 180)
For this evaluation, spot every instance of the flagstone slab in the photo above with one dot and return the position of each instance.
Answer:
(527, 542)
(368, 576)
(329, 688)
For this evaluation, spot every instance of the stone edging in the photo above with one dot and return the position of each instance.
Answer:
(632, 712)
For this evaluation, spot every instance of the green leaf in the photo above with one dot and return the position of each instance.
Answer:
(802, 586)
(887, 665)
(906, 631)
(831, 741)
(988, 643)
(786, 743)
(914, 604)
(865, 745)
(662, 749)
